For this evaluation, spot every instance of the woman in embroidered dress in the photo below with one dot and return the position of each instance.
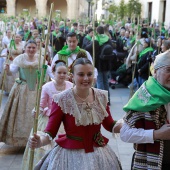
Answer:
(14, 52)
(16, 121)
(82, 110)
(5, 41)
(48, 90)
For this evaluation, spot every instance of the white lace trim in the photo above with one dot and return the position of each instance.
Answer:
(44, 134)
(69, 105)
(21, 61)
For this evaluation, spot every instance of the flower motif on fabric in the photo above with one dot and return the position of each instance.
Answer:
(98, 138)
(143, 94)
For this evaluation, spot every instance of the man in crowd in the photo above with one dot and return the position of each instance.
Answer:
(147, 119)
(71, 51)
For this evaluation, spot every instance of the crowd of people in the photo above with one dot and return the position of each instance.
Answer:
(81, 61)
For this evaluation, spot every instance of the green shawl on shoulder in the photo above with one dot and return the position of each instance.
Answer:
(150, 96)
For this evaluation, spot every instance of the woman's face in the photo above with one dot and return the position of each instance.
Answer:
(8, 33)
(163, 47)
(35, 34)
(60, 74)
(18, 38)
(159, 42)
(31, 49)
(38, 42)
(83, 76)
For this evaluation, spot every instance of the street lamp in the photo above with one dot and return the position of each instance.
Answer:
(89, 2)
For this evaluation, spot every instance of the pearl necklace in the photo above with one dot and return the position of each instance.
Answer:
(84, 100)
(88, 109)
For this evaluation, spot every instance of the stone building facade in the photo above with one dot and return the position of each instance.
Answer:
(154, 10)
(71, 9)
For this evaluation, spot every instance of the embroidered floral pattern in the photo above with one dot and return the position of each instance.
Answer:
(82, 116)
(143, 94)
(98, 138)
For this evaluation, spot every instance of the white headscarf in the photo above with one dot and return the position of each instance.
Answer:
(162, 60)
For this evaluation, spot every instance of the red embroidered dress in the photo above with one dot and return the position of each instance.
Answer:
(83, 146)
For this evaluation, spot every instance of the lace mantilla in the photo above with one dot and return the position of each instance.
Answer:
(83, 116)
(21, 61)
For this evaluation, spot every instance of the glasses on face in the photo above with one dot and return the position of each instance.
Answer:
(165, 69)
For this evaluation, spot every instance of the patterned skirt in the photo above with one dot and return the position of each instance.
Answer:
(103, 158)
(39, 152)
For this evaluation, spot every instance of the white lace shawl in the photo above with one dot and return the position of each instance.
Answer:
(69, 105)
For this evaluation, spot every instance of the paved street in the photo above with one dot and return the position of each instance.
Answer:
(11, 158)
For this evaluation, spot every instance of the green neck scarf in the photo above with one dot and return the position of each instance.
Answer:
(12, 44)
(145, 51)
(56, 34)
(88, 37)
(133, 39)
(101, 38)
(150, 96)
(26, 34)
(65, 51)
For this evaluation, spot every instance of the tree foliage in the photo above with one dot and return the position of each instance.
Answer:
(134, 8)
(131, 9)
(122, 10)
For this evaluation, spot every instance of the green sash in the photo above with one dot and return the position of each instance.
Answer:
(145, 51)
(26, 35)
(65, 53)
(57, 35)
(101, 38)
(150, 96)
(88, 37)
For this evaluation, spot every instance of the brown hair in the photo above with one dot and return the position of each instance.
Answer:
(82, 61)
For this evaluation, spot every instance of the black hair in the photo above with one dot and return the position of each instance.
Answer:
(90, 30)
(71, 34)
(75, 24)
(82, 61)
(30, 42)
(81, 25)
(96, 24)
(100, 30)
(123, 28)
(144, 34)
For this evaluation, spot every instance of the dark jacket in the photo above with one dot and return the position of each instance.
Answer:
(58, 43)
(144, 65)
(85, 42)
(101, 65)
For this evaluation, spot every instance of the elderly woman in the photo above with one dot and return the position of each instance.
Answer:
(147, 119)
(165, 45)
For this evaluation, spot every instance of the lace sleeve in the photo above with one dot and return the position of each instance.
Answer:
(14, 68)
